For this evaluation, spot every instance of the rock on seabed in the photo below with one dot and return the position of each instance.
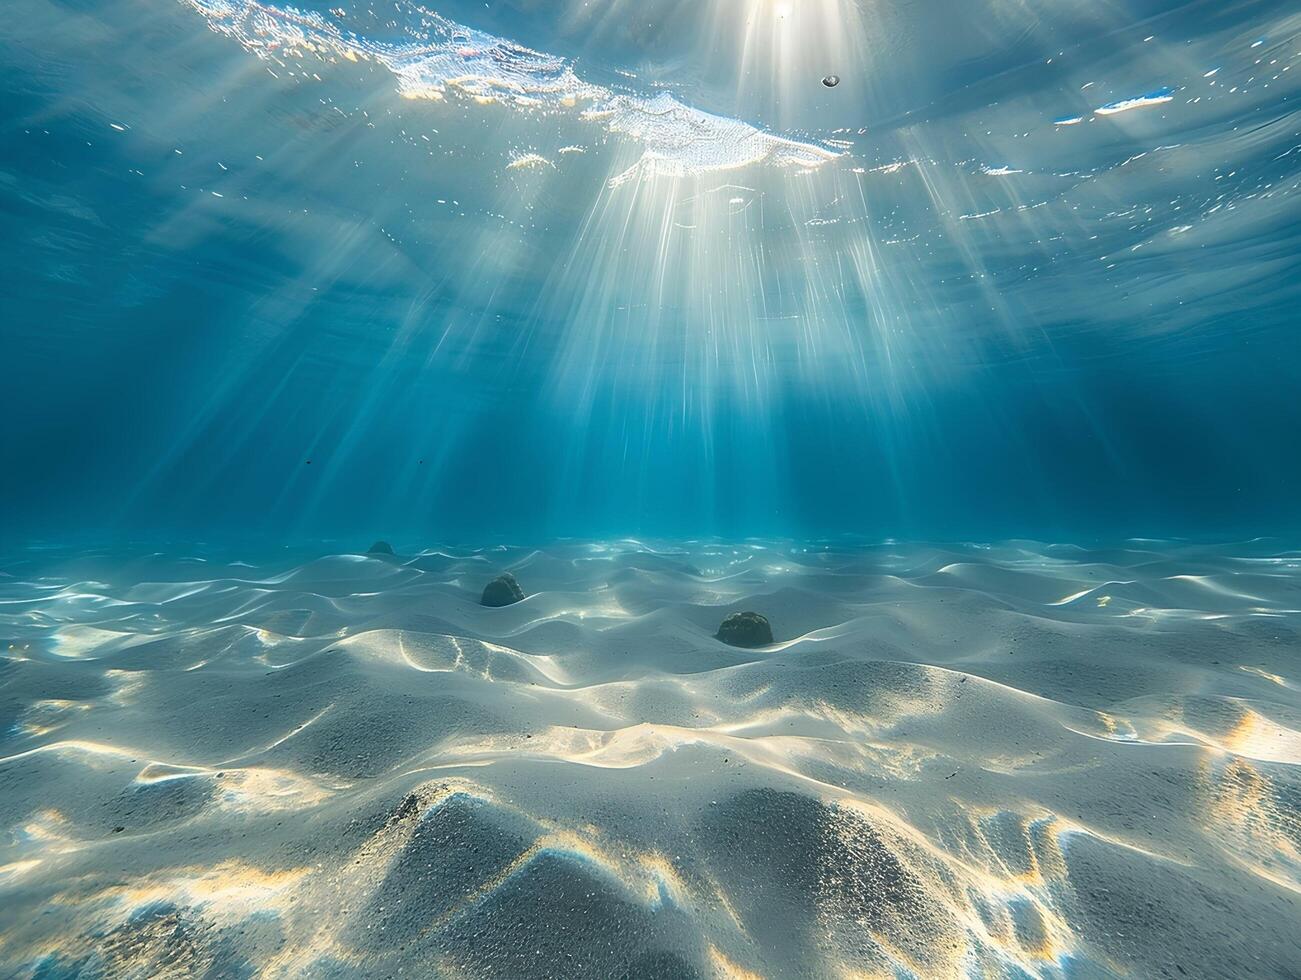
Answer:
(745, 629)
(502, 591)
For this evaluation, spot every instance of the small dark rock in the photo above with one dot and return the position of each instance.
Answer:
(118, 830)
(502, 591)
(745, 629)
(380, 548)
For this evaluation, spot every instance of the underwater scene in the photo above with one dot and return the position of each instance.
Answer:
(650, 489)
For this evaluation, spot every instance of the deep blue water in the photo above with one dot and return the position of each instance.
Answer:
(253, 290)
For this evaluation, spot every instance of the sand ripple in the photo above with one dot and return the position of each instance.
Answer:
(1012, 760)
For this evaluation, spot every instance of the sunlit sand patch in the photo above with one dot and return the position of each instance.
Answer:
(1174, 615)
(127, 685)
(1012, 848)
(615, 699)
(643, 744)
(437, 653)
(1232, 726)
(1073, 596)
(271, 639)
(1272, 678)
(1215, 586)
(1227, 725)
(161, 772)
(48, 716)
(312, 903)
(76, 642)
(337, 892)
(230, 891)
(1108, 726)
(970, 912)
(620, 749)
(16, 869)
(1020, 876)
(50, 831)
(265, 790)
(1257, 829)
(99, 754)
(727, 969)
(246, 790)
(46, 840)
(662, 884)
(1261, 738)
(867, 738)
(602, 607)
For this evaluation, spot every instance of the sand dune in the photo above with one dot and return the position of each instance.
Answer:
(1009, 760)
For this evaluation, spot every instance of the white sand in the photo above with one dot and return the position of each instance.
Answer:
(1009, 760)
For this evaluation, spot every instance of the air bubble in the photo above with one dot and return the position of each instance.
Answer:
(831, 81)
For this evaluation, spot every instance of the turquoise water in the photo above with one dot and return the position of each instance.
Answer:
(819, 530)
(514, 270)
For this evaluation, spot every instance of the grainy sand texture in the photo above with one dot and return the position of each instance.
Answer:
(1006, 760)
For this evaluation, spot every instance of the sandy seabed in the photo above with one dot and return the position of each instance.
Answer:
(969, 760)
